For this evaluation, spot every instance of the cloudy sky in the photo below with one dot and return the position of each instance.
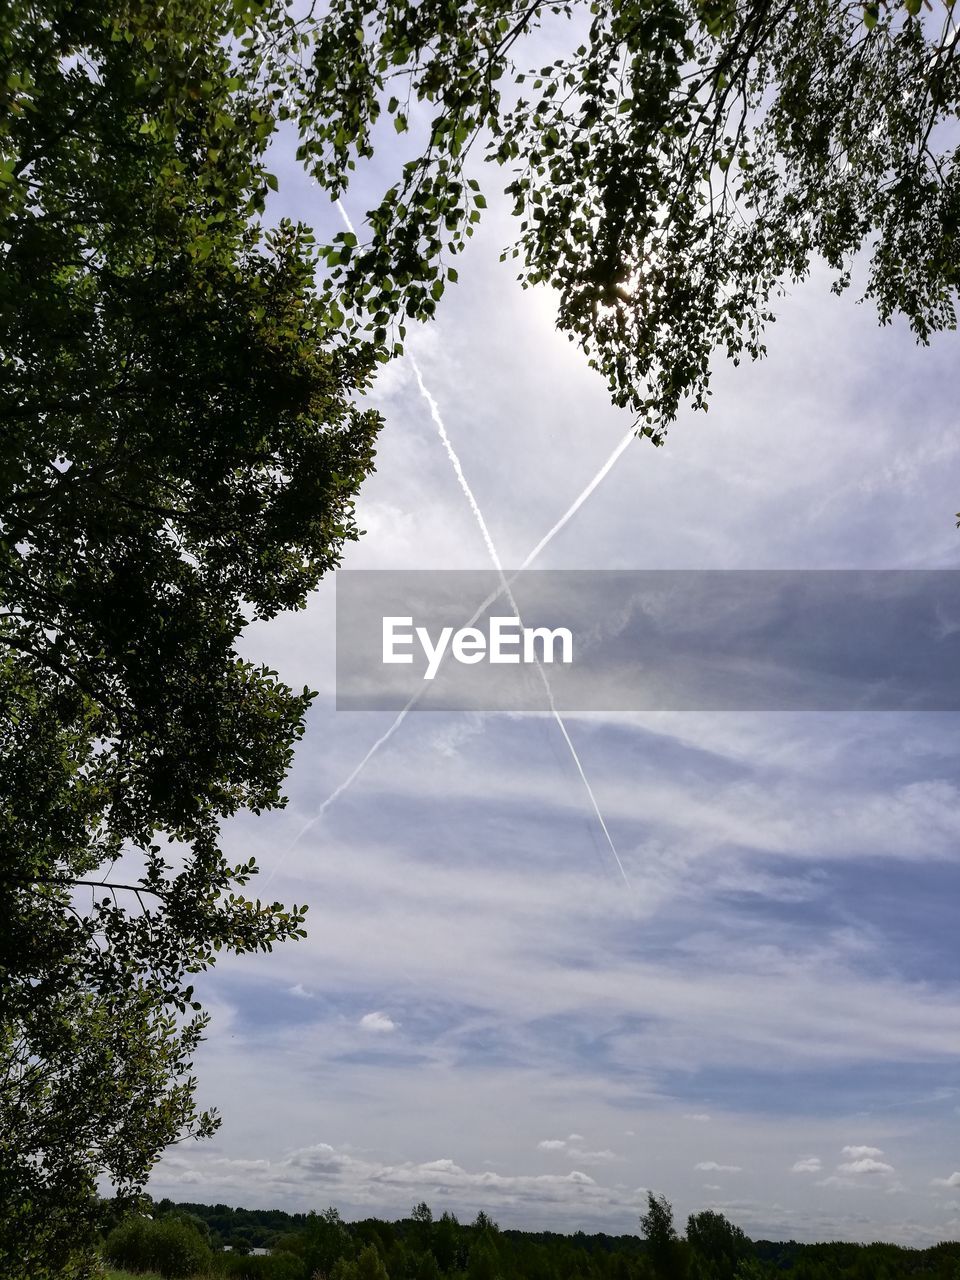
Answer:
(765, 1019)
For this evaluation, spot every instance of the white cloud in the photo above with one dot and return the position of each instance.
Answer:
(808, 1164)
(337, 1175)
(863, 1170)
(865, 1165)
(378, 1021)
(552, 1144)
(711, 1166)
(952, 1181)
(298, 989)
(575, 1137)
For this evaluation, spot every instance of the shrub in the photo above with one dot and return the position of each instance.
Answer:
(173, 1248)
(273, 1266)
(127, 1245)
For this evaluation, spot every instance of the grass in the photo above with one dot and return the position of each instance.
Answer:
(130, 1275)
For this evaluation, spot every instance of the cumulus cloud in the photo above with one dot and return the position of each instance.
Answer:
(952, 1181)
(807, 1164)
(377, 1021)
(861, 1169)
(552, 1144)
(322, 1172)
(298, 989)
(711, 1166)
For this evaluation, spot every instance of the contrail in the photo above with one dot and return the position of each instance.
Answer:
(458, 470)
(578, 502)
(346, 217)
(402, 714)
(505, 589)
(540, 547)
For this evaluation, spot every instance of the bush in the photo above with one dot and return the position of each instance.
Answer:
(127, 1245)
(173, 1248)
(273, 1266)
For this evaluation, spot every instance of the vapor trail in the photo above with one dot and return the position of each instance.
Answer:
(458, 470)
(578, 502)
(402, 714)
(505, 589)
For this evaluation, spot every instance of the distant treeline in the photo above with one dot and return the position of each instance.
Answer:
(186, 1239)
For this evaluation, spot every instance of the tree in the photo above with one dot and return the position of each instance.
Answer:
(422, 1218)
(664, 1248)
(717, 1242)
(370, 1264)
(482, 1263)
(180, 445)
(446, 1243)
(179, 455)
(326, 1242)
(427, 1267)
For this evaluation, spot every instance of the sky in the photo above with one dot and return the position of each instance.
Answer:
(760, 1015)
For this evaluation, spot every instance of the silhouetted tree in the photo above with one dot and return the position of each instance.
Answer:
(664, 1248)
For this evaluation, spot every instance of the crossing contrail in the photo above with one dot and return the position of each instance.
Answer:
(505, 589)
(402, 713)
(530, 558)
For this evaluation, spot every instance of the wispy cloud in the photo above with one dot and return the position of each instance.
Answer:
(785, 965)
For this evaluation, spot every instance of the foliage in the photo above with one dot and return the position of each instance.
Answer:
(672, 169)
(274, 1266)
(544, 1255)
(179, 455)
(171, 1246)
(718, 1246)
(664, 1248)
(326, 1241)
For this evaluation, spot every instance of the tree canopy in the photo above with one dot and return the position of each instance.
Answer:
(674, 167)
(179, 454)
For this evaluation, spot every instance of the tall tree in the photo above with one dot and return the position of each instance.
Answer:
(179, 454)
(664, 1249)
